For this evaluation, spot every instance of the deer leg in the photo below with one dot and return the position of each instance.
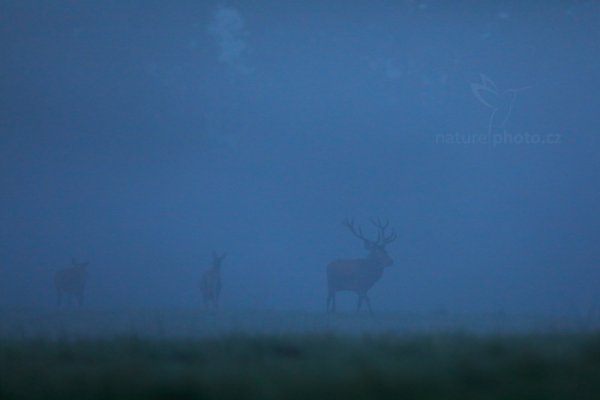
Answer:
(331, 300)
(359, 304)
(368, 301)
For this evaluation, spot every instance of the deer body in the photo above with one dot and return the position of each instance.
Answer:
(71, 282)
(359, 275)
(210, 283)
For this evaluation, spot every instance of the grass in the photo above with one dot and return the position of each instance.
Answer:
(304, 366)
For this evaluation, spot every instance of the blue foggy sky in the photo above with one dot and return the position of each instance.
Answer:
(142, 135)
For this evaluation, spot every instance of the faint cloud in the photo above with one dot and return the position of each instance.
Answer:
(503, 15)
(420, 5)
(387, 67)
(391, 71)
(228, 29)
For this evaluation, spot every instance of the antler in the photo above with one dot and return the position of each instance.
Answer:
(349, 223)
(382, 239)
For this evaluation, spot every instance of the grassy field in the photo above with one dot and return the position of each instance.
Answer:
(304, 366)
(179, 355)
(194, 324)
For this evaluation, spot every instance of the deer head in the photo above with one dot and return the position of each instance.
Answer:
(79, 264)
(217, 259)
(376, 248)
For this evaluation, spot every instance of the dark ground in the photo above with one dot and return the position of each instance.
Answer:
(170, 355)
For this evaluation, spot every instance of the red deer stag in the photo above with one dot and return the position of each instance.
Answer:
(210, 284)
(71, 282)
(359, 275)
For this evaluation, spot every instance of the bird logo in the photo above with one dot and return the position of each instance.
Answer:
(500, 102)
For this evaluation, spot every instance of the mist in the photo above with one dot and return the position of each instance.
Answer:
(142, 136)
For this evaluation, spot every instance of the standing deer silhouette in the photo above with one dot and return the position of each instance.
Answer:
(210, 284)
(70, 281)
(359, 275)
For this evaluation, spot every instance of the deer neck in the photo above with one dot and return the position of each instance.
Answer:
(373, 270)
(374, 262)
